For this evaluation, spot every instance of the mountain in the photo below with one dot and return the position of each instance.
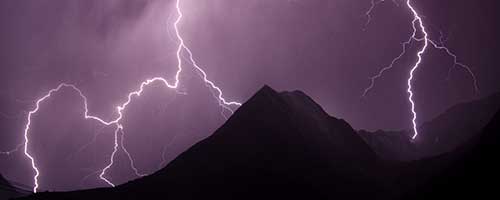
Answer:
(276, 145)
(284, 146)
(474, 171)
(443, 134)
(457, 125)
(391, 145)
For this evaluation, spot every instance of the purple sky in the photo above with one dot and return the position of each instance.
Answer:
(108, 47)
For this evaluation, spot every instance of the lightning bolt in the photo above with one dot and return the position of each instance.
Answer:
(131, 160)
(416, 19)
(17, 148)
(182, 47)
(111, 160)
(417, 25)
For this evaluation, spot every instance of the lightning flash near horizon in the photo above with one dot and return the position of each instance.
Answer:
(417, 26)
(182, 47)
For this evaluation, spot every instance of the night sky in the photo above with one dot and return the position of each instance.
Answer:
(107, 48)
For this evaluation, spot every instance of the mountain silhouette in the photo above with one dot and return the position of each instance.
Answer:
(443, 134)
(285, 146)
(276, 145)
(473, 172)
(458, 125)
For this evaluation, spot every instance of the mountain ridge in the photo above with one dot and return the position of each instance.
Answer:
(444, 133)
(280, 145)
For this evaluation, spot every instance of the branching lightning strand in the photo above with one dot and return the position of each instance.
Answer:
(417, 24)
(116, 122)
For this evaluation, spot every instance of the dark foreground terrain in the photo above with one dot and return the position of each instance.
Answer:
(284, 146)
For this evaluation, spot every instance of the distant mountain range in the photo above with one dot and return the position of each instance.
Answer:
(443, 134)
(473, 172)
(285, 146)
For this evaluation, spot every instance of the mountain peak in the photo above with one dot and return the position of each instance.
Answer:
(296, 102)
(267, 88)
(295, 116)
(282, 145)
(279, 144)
